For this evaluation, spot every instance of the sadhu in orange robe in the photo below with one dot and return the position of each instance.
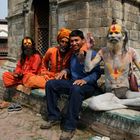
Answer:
(30, 66)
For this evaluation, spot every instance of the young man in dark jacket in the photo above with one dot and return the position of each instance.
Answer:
(79, 86)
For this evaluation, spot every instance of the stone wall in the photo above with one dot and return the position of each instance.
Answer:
(16, 27)
(88, 15)
(95, 16)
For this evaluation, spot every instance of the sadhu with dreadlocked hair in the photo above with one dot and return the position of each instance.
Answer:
(29, 63)
(118, 58)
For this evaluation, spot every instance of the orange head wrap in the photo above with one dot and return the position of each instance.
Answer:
(63, 33)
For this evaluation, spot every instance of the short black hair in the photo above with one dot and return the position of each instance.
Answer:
(77, 33)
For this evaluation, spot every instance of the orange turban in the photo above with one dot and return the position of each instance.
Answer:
(63, 33)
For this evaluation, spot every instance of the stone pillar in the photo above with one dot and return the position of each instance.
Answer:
(26, 18)
(31, 24)
(53, 23)
(15, 35)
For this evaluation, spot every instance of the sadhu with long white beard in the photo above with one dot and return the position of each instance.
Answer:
(117, 58)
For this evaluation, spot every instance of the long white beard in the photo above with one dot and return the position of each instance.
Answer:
(115, 47)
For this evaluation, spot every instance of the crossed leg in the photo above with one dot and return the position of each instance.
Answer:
(109, 101)
(104, 102)
(132, 99)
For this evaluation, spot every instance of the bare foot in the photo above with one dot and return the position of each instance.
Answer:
(4, 104)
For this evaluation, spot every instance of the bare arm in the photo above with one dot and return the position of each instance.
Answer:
(136, 58)
(137, 64)
(90, 64)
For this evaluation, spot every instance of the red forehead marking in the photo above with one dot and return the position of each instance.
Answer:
(113, 28)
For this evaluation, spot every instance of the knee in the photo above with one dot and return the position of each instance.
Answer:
(49, 83)
(5, 75)
(76, 89)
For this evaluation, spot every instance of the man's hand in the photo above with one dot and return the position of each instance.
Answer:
(62, 74)
(80, 82)
(90, 40)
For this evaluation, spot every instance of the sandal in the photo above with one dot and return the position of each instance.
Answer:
(11, 108)
(14, 107)
(17, 107)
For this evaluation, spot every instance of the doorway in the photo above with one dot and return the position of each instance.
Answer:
(41, 23)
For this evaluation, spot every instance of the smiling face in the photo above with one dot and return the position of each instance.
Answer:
(115, 34)
(64, 44)
(76, 43)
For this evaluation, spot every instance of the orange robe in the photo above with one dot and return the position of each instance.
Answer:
(31, 66)
(52, 63)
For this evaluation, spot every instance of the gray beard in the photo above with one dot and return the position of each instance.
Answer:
(62, 50)
(117, 47)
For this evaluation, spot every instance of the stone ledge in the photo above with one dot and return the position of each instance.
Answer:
(121, 124)
(35, 101)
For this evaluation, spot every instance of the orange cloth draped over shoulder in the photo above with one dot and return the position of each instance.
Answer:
(30, 66)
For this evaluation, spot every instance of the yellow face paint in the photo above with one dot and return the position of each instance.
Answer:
(27, 42)
(115, 28)
(115, 33)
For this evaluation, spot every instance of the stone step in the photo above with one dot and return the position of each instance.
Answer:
(120, 124)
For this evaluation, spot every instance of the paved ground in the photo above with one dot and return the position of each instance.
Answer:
(24, 125)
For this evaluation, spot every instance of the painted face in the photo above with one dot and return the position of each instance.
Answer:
(64, 44)
(76, 43)
(27, 43)
(115, 33)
